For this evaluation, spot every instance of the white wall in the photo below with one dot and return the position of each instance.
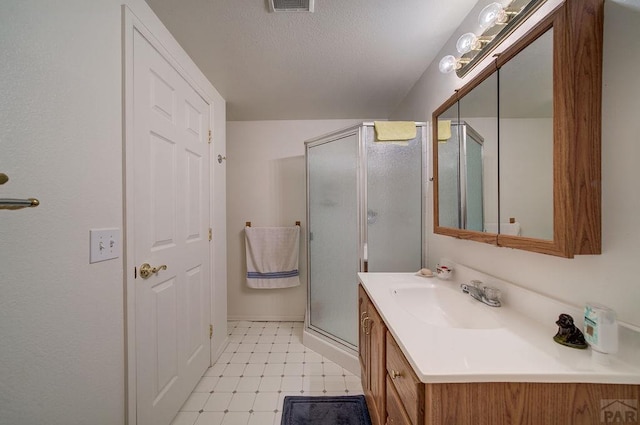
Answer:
(266, 185)
(61, 319)
(62, 329)
(219, 219)
(610, 278)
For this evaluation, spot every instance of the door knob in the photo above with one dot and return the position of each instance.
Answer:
(146, 270)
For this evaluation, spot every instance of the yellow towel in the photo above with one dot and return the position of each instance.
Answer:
(395, 130)
(444, 130)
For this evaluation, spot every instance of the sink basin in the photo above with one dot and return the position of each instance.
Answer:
(445, 307)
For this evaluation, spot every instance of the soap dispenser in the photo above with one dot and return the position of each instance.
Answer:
(601, 328)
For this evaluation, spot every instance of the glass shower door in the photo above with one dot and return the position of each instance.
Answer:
(394, 204)
(332, 188)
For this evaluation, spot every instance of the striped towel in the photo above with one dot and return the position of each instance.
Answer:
(272, 257)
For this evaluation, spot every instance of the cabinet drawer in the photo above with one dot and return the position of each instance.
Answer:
(396, 414)
(405, 381)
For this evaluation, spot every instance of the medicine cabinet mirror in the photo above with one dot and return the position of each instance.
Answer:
(467, 158)
(517, 149)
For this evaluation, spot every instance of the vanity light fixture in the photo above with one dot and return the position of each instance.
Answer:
(492, 14)
(497, 21)
(469, 41)
(449, 64)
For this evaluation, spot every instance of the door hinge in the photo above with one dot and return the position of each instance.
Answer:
(135, 272)
(209, 136)
(210, 233)
(210, 331)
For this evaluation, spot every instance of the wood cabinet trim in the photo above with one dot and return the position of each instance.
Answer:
(586, 29)
(522, 402)
(378, 361)
(469, 235)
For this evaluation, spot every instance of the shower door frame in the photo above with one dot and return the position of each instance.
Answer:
(361, 201)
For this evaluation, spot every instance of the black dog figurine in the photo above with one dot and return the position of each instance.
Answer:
(568, 334)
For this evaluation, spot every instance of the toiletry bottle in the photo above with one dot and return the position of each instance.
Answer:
(601, 328)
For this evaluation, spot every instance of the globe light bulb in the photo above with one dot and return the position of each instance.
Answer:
(467, 42)
(492, 14)
(448, 64)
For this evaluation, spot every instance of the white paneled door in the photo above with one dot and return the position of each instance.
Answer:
(171, 228)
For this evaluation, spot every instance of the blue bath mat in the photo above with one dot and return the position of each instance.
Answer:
(339, 410)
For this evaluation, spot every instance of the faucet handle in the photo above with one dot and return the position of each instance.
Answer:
(492, 294)
(476, 283)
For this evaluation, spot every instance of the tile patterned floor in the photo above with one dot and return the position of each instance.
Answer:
(263, 363)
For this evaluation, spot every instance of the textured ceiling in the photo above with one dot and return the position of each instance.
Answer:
(348, 59)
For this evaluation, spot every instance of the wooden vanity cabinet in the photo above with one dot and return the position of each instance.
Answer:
(395, 395)
(372, 336)
(411, 402)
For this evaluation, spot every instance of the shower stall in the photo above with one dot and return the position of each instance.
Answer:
(365, 213)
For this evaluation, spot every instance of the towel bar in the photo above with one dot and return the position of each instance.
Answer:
(248, 223)
(17, 204)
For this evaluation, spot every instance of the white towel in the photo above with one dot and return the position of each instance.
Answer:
(512, 229)
(272, 257)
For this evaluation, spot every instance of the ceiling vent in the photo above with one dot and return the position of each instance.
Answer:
(291, 5)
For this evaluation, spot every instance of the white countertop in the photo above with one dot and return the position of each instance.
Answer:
(520, 350)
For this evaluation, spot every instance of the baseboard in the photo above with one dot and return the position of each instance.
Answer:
(223, 346)
(294, 318)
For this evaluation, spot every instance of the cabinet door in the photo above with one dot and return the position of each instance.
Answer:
(396, 414)
(377, 355)
(363, 351)
(372, 358)
(405, 381)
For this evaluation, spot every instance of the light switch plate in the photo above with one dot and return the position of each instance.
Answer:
(104, 244)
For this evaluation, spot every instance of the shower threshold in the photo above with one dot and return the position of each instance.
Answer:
(345, 356)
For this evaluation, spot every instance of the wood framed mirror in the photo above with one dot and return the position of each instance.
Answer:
(516, 151)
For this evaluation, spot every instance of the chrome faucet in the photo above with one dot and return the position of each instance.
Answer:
(488, 295)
